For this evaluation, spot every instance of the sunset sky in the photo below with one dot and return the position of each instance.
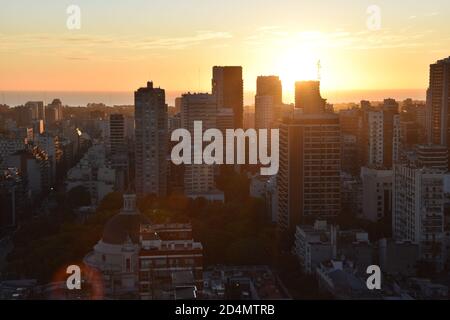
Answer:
(122, 44)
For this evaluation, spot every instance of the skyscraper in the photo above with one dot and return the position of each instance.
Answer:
(268, 101)
(228, 88)
(270, 86)
(117, 133)
(438, 101)
(151, 140)
(54, 112)
(198, 178)
(265, 113)
(383, 135)
(37, 109)
(118, 149)
(418, 210)
(309, 176)
(308, 98)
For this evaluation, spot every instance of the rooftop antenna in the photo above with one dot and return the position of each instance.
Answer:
(319, 67)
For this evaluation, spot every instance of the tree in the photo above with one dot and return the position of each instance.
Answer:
(78, 197)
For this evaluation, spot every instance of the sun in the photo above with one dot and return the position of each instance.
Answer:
(296, 65)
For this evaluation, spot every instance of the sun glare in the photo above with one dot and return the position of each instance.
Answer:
(297, 64)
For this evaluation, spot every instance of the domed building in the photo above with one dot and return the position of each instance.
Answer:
(135, 259)
(116, 255)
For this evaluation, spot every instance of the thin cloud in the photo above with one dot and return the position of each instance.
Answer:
(358, 40)
(48, 43)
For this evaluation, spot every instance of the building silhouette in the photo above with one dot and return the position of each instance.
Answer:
(228, 88)
(308, 98)
(118, 149)
(438, 100)
(198, 178)
(268, 102)
(151, 141)
(309, 175)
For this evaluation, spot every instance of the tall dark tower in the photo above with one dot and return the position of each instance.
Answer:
(270, 86)
(151, 140)
(308, 98)
(438, 102)
(308, 181)
(228, 87)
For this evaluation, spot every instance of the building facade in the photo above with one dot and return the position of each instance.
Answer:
(228, 88)
(309, 176)
(151, 144)
(418, 210)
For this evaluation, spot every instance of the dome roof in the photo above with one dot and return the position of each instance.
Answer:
(122, 226)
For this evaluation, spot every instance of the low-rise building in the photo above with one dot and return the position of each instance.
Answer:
(321, 241)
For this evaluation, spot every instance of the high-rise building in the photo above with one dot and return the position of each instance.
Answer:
(350, 121)
(308, 98)
(418, 210)
(118, 149)
(228, 88)
(432, 156)
(37, 109)
(265, 112)
(54, 112)
(47, 143)
(270, 86)
(349, 154)
(198, 178)
(117, 133)
(377, 194)
(151, 140)
(178, 104)
(224, 119)
(249, 117)
(438, 103)
(383, 135)
(309, 176)
(268, 102)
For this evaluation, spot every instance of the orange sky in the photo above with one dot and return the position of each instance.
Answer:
(175, 43)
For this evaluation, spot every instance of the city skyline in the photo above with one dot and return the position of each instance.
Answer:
(288, 43)
(204, 151)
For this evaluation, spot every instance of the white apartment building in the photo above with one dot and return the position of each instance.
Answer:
(320, 242)
(314, 244)
(418, 210)
(383, 127)
(376, 138)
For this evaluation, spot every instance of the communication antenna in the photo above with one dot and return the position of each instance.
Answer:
(319, 67)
